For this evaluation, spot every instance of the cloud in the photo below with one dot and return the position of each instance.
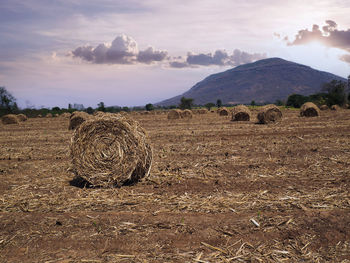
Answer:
(329, 36)
(149, 55)
(219, 58)
(122, 50)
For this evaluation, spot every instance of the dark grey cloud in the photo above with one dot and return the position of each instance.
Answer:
(219, 58)
(329, 35)
(123, 50)
(149, 55)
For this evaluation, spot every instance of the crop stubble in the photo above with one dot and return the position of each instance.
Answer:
(219, 191)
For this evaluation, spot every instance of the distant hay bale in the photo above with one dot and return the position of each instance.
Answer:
(10, 119)
(269, 113)
(241, 113)
(202, 111)
(174, 114)
(56, 115)
(186, 114)
(324, 107)
(223, 111)
(335, 107)
(112, 150)
(76, 119)
(65, 115)
(97, 113)
(346, 106)
(309, 109)
(39, 116)
(22, 117)
(49, 115)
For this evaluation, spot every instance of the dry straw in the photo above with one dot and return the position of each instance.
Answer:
(324, 107)
(174, 114)
(335, 107)
(186, 114)
(202, 111)
(223, 111)
(10, 119)
(49, 115)
(77, 118)
(241, 113)
(269, 113)
(309, 109)
(111, 150)
(22, 117)
(65, 115)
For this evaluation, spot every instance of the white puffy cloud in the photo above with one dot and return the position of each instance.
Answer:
(122, 50)
(329, 36)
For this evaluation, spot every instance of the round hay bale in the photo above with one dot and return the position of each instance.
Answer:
(309, 109)
(269, 113)
(65, 115)
(241, 113)
(22, 117)
(39, 116)
(174, 114)
(56, 115)
(203, 111)
(10, 119)
(98, 113)
(324, 107)
(346, 106)
(186, 114)
(49, 115)
(77, 119)
(223, 111)
(335, 107)
(111, 150)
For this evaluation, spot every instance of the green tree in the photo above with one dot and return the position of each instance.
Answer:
(89, 110)
(296, 100)
(253, 103)
(101, 107)
(149, 107)
(7, 102)
(336, 90)
(56, 108)
(186, 103)
(219, 103)
(125, 108)
(209, 105)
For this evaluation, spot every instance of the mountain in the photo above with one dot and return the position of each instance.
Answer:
(265, 80)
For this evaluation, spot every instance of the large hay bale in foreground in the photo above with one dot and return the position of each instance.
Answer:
(112, 150)
(77, 118)
(241, 113)
(335, 107)
(324, 107)
(269, 113)
(10, 119)
(309, 109)
(174, 114)
(186, 114)
(223, 111)
(22, 117)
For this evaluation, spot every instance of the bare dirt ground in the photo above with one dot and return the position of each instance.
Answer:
(219, 191)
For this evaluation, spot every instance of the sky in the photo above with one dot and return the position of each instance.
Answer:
(130, 53)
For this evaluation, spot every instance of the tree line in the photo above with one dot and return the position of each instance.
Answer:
(335, 92)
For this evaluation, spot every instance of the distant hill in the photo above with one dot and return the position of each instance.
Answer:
(265, 80)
